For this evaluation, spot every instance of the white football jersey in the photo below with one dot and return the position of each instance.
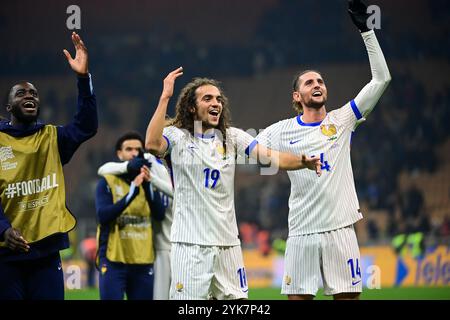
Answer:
(329, 202)
(161, 229)
(203, 174)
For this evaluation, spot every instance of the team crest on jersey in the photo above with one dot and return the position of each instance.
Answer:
(221, 150)
(179, 287)
(6, 153)
(218, 146)
(287, 280)
(103, 269)
(328, 129)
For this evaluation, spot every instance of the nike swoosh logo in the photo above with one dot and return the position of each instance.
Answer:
(354, 283)
(295, 141)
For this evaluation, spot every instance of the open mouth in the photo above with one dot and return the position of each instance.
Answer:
(317, 94)
(214, 112)
(29, 105)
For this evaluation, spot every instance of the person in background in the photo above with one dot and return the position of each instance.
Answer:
(125, 205)
(161, 180)
(34, 219)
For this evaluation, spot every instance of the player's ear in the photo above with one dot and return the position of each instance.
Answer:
(296, 96)
(119, 155)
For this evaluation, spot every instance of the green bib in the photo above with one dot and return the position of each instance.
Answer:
(32, 190)
(130, 235)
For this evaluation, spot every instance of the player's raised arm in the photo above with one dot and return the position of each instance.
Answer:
(365, 101)
(79, 64)
(154, 140)
(84, 124)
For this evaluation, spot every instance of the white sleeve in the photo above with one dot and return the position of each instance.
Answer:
(160, 177)
(242, 140)
(114, 168)
(162, 185)
(270, 137)
(357, 110)
(172, 135)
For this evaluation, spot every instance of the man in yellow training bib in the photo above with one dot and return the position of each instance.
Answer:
(125, 205)
(34, 219)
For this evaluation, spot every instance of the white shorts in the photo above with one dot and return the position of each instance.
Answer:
(330, 258)
(206, 272)
(161, 266)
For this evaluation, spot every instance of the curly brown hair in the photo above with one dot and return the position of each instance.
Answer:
(297, 106)
(184, 118)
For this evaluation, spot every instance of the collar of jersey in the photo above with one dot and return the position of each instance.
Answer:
(311, 124)
(204, 135)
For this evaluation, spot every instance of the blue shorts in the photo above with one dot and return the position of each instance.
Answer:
(37, 279)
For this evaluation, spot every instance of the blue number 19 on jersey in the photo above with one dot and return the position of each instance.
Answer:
(213, 175)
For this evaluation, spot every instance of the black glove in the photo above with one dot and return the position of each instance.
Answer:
(358, 12)
(134, 165)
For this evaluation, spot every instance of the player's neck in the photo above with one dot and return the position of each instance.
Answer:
(311, 115)
(205, 132)
(21, 125)
(201, 128)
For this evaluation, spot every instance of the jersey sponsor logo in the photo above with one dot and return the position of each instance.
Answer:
(192, 147)
(328, 130)
(134, 235)
(133, 221)
(7, 153)
(294, 141)
(33, 204)
(354, 283)
(30, 187)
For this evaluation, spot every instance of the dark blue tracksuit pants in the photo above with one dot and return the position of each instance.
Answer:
(38, 279)
(117, 279)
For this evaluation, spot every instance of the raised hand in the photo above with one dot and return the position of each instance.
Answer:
(79, 64)
(169, 83)
(358, 12)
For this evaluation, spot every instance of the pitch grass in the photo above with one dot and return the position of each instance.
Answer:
(274, 294)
